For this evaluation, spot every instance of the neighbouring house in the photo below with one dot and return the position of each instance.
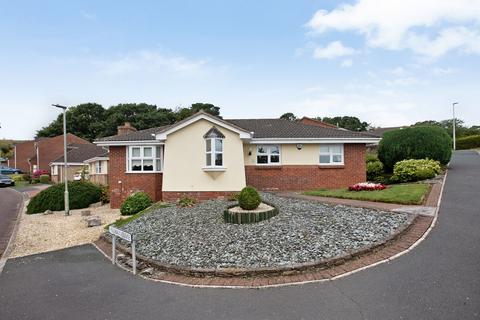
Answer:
(207, 157)
(98, 167)
(379, 132)
(38, 154)
(77, 157)
(318, 123)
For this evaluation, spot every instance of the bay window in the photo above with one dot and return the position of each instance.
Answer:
(331, 154)
(144, 159)
(268, 154)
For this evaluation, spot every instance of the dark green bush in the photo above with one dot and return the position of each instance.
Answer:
(135, 203)
(469, 142)
(81, 195)
(249, 199)
(415, 170)
(414, 143)
(44, 178)
(374, 170)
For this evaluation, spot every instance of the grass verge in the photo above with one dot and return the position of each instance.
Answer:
(123, 221)
(409, 193)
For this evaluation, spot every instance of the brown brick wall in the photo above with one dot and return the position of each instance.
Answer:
(173, 196)
(150, 183)
(303, 177)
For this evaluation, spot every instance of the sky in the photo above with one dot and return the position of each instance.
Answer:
(388, 62)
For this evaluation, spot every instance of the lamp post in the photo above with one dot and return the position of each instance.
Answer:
(67, 204)
(453, 126)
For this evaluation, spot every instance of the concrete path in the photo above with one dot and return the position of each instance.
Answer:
(439, 279)
(10, 201)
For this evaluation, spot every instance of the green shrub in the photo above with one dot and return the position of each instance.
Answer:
(44, 178)
(469, 142)
(249, 199)
(135, 203)
(371, 157)
(186, 201)
(414, 143)
(105, 194)
(81, 195)
(17, 177)
(415, 170)
(27, 177)
(374, 170)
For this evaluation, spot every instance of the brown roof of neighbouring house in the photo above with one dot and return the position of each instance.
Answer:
(140, 135)
(379, 132)
(80, 152)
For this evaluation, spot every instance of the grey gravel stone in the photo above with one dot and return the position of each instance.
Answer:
(93, 221)
(47, 212)
(85, 213)
(303, 231)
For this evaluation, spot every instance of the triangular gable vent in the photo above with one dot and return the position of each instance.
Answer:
(213, 133)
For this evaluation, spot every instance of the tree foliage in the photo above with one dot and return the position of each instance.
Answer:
(6, 150)
(347, 122)
(461, 130)
(288, 116)
(91, 120)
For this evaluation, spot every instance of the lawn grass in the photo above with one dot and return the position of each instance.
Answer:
(409, 193)
(21, 184)
(123, 221)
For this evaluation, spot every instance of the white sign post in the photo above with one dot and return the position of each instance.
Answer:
(127, 237)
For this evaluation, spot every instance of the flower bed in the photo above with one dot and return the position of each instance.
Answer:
(367, 186)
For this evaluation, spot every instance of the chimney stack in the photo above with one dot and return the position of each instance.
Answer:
(126, 128)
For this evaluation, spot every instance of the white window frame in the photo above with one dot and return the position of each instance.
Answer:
(213, 152)
(269, 155)
(154, 158)
(330, 153)
(98, 167)
(54, 170)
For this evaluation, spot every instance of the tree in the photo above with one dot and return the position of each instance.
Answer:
(6, 150)
(347, 122)
(460, 129)
(83, 120)
(140, 115)
(183, 113)
(288, 116)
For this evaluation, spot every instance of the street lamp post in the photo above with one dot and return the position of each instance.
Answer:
(67, 204)
(453, 126)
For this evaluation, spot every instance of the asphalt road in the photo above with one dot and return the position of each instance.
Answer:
(10, 201)
(439, 279)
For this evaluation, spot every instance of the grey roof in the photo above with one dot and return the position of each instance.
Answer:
(280, 128)
(262, 128)
(81, 152)
(140, 135)
(379, 132)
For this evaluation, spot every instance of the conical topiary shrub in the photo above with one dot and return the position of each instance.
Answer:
(249, 199)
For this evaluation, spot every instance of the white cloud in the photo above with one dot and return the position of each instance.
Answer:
(333, 50)
(88, 15)
(407, 81)
(398, 71)
(429, 28)
(347, 63)
(149, 61)
(443, 71)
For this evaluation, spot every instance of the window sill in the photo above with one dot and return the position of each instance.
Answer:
(214, 169)
(331, 166)
(268, 167)
(142, 172)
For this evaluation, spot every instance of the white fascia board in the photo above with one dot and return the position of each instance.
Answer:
(129, 143)
(96, 159)
(243, 134)
(68, 163)
(314, 140)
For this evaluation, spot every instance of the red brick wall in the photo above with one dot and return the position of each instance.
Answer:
(173, 196)
(150, 183)
(304, 177)
(24, 151)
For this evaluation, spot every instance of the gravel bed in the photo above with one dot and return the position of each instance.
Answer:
(303, 231)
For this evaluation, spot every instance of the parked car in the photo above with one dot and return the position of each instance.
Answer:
(6, 181)
(8, 170)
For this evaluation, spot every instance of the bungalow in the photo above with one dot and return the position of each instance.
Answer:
(79, 158)
(205, 157)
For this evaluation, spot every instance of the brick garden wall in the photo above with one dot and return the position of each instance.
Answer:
(304, 177)
(150, 183)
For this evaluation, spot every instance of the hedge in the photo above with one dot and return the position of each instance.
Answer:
(414, 143)
(81, 195)
(470, 142)
(415, 170)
